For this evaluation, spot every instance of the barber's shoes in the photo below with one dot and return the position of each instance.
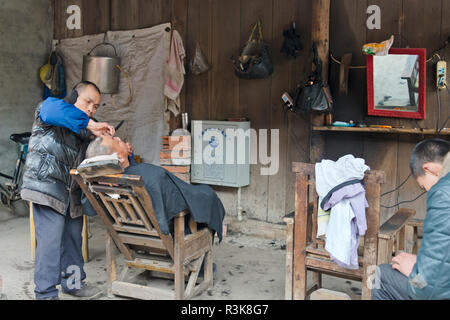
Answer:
(86, 292)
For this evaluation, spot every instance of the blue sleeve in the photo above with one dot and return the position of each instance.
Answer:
(57, 112)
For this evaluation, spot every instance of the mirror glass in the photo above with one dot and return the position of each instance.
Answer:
(396, 82)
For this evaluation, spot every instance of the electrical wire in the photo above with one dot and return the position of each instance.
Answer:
(443, 126)
(439, 112)
(408, 201)
(401, 185)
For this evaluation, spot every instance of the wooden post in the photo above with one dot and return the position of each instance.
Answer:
(373, 191)
(320, 35)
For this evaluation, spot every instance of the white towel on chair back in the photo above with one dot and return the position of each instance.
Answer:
(330, 174)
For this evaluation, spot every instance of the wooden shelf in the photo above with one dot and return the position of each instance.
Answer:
(445, 132)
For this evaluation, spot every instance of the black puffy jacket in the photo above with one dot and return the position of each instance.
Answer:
(52, 153)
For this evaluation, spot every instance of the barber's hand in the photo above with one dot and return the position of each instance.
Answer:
(100, 129)
(130, 149)
(404, 263)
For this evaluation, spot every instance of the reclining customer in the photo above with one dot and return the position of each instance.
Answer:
(427, 275)
(170, 195)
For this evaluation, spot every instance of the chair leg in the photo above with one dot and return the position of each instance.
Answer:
(111, 267)
(409, 239)
(317, 279)
(209, 276)
(178, 258)
(299, 290)
(289, 261)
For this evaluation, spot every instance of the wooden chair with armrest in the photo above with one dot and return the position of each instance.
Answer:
(132, 226)
(305, 251)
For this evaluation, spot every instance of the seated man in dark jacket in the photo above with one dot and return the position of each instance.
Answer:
(170, 195)
(427, 275)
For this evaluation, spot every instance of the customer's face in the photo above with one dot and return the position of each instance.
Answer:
(88, 100)
(118, 146)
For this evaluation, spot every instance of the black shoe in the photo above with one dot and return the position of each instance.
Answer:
(87, 291)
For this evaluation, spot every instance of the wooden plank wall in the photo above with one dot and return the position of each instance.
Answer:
(417, 24)
(222, 28)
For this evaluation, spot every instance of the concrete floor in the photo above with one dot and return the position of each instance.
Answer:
(248, 268)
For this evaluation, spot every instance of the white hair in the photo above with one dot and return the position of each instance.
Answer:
(97, 148)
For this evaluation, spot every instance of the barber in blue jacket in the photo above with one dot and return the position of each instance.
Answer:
(60, 135)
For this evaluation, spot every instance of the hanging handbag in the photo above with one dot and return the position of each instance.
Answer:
(254, 61)
(314, 96)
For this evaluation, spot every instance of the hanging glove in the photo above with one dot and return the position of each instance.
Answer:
(292, 44)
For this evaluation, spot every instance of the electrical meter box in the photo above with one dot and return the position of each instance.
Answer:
(221, 153)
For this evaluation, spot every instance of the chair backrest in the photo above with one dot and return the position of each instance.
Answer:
(126, 209)
(306, 202)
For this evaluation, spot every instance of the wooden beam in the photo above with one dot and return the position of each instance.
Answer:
(320, 36)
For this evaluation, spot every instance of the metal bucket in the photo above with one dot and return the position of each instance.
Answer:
(102, 71)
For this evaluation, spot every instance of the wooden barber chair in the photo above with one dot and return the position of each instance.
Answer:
(305, 251)
(132, 226)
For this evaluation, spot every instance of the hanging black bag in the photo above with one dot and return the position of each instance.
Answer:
(291, 45)
(314, 96)
(254, 61)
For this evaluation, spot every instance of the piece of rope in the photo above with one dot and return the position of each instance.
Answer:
(364, 67)
(113, 101)
(350, 67)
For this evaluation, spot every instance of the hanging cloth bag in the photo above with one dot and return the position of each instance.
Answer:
(199, 64)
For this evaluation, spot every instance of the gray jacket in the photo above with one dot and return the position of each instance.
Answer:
(52, 153)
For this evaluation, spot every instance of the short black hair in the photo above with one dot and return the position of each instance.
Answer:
(432, 150)
(80, 86)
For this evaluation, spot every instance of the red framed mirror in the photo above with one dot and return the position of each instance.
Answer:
(396, 83)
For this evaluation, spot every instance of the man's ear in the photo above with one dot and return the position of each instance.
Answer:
(432, 168)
